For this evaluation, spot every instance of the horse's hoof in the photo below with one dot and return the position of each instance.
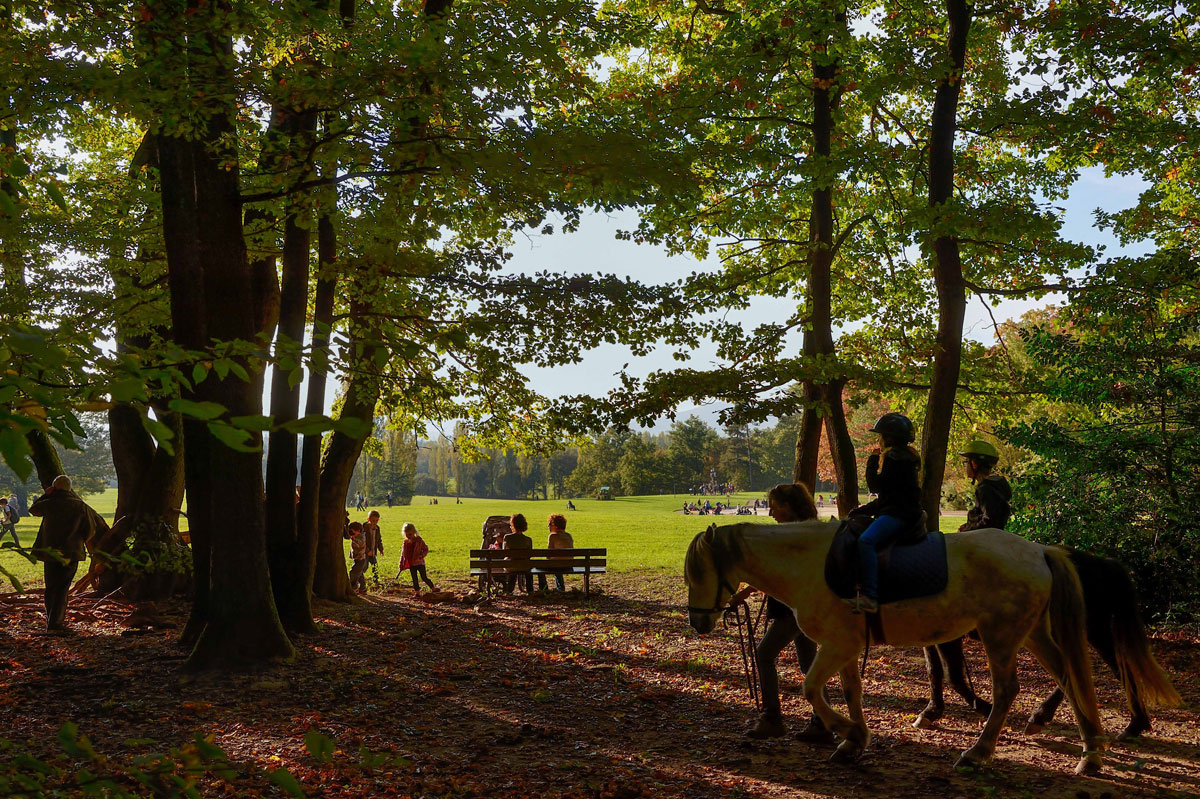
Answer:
(923, 723)
(970, 760)
(1034, 728)
(1131, 733)
(845, 755)
(1089, 766)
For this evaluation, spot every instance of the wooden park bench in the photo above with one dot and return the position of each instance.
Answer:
(491, 565)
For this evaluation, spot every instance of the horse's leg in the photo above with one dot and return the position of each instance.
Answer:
(832, 658)
(1045, 712)
(956, 670)
(933, 710)
(848, 750)
(1046, 650)
(1100, 636)
(1002, 646)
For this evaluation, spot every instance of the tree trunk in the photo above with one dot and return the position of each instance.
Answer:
(45, 457)
(308, 525)
(947, 267)
(808, 440)
(289, 579)
(845, 463)
(132, 453)
(149, 495)
(341, 456)
(823, 396)
(206, 254)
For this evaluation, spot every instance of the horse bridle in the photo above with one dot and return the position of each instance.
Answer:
(722, 584)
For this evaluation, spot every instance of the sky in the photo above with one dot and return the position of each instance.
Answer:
(595, 248)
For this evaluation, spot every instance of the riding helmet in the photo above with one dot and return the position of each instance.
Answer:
(982, 450)
(896, 425)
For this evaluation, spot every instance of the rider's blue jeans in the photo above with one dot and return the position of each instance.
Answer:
(881, 532)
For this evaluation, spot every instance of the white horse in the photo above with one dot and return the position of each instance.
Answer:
(1014, 592)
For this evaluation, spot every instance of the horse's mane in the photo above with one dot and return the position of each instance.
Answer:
(727, 547)
(724, 546)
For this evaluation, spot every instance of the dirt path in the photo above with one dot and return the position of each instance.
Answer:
(553, 696)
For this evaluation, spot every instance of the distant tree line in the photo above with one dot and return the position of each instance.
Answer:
(692, 453)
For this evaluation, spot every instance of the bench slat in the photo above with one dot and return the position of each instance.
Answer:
(566, 572)
(501, 554)
(595, 563)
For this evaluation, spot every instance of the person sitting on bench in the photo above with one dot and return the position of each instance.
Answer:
(518, 540)
(559, 539)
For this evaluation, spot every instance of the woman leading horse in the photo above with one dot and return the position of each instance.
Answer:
(1014, 592)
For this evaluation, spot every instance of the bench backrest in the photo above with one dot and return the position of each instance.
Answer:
(518, 559)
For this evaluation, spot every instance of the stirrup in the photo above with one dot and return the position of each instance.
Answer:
(861, 603)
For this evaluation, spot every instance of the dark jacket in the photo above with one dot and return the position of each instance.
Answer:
(517, 541)
(992, 508)
(67, 524)
(895, 484)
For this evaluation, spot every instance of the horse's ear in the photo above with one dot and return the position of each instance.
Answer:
(708, 535)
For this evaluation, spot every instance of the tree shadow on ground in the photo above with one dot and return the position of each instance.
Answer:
(590, 700)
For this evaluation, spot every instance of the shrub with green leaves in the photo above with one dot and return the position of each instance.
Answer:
(1117, 471)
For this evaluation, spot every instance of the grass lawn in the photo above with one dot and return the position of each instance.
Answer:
(640, 533)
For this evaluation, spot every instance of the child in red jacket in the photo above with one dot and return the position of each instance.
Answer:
(412, 556)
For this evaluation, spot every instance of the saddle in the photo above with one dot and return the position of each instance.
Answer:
(912, 566)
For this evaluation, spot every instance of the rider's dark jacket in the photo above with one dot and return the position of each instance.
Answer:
(992, 509)
(893, 479)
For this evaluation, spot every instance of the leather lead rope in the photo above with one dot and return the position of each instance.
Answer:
(862, 670)
(747, 641)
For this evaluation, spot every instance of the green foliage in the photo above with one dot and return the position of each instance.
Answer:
(186, 772)
(1117, 471)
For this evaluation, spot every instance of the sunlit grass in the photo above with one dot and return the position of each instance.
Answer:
(640, 533)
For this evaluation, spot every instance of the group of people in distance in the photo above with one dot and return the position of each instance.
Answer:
(892, 476)
(366, 545)
(707, 508)
(516, 538)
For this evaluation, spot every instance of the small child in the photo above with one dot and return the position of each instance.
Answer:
(373, 540)
(358, 553)
(412, 556)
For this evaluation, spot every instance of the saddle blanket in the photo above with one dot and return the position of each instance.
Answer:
(906, 571)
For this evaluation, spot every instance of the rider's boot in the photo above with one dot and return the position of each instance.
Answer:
(815, 732)
(770, 725)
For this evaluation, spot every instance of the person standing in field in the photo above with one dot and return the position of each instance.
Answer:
(8, 520)
(67, 526)
(559, 539)
(412, 557)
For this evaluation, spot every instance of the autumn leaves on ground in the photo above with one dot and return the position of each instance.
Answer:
(556, 695)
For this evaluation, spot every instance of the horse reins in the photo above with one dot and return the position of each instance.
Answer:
(747, 628)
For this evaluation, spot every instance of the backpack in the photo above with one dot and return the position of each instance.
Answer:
(13, 515)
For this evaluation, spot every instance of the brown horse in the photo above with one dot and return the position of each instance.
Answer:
(1014, 592)
(1114, 629)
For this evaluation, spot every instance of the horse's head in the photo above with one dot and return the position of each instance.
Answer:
(704, 568)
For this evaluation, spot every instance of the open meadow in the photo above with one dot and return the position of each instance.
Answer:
(641, 533)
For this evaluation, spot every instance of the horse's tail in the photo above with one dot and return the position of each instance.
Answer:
(1118, 612)
(1068, 625)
